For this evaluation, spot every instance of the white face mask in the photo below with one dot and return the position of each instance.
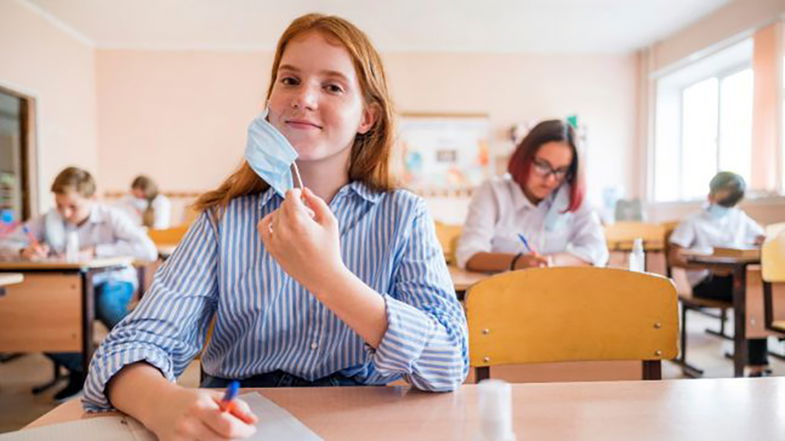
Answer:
(270, 154)
(717, 211)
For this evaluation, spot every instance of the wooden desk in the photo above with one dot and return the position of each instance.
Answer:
(53, 309)
(463, 279)
(674, 410)
(738, 269)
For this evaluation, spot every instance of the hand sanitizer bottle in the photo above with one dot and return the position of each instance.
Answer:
(72, 246)
(637, 258)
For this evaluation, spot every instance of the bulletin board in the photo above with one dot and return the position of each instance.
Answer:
(442, 151)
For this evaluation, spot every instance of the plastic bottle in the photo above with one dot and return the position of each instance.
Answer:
(495, 410)
(72, 246)
(637, 258)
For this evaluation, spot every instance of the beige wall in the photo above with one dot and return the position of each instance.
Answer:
(178, 116)
(181, 116)
(737, 17)
(57, 69)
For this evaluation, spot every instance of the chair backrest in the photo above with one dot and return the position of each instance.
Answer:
(168, 236)
(448, 236)
(620, 235)
(772, 256)
(572, 314)
(774, 230)
(772, 261)
(628, 210)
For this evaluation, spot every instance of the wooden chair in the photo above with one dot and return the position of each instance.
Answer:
(772, 260)
(168, 236)
(572, 314)
(448, 236)
(620, 235)
(690, 303)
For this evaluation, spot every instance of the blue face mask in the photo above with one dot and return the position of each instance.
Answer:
(270, 154)
(717, 211)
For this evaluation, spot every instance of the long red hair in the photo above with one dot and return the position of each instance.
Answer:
(548, 131)
(369, 161)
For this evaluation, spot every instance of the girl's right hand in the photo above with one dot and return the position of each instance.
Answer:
(33, 252)
(532, 260)
(194, 414)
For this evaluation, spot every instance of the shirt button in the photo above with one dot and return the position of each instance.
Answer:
(314, 346)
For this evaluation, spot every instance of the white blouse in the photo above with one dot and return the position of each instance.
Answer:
(135, 209)
(499, 212)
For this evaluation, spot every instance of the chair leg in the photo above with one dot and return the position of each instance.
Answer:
(652, 370)
(56, 376)
(721, 333)
(482, 373)
(686, 368)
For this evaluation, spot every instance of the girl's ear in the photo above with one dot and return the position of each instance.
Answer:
(369, 117)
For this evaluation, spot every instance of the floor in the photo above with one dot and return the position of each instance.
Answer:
(18, 406)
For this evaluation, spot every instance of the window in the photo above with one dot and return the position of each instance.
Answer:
(703, 124)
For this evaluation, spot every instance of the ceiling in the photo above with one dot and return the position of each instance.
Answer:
(557, 26)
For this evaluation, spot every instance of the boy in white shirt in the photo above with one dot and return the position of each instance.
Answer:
(719, 224)
(103, 231)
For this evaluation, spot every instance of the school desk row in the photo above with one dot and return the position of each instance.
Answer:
(52, 310)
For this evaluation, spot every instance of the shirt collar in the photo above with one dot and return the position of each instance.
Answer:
(355, 187)
(520, 199)
(96, 215)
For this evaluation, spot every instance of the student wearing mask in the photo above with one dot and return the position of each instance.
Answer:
(719, 224)
(542, 201)
(102, 231)
(341, 283)
(146, 206)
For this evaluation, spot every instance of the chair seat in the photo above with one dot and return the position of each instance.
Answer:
(698, 302)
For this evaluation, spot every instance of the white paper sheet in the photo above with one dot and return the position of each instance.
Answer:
(275, 423)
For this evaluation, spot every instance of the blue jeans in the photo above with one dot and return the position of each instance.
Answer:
(282, 379)
(111, 305)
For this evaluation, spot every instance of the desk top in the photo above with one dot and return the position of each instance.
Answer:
(463, 279)
(29, 265)
(716, 409)
(626, 245)
(710, 259)
(11, 278)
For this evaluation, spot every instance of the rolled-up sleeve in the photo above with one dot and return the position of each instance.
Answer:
(426, 339)
(587, 240)
(477, 232)
(168, 327)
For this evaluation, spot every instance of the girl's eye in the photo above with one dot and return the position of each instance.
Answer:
(289, 81)
(334, 88)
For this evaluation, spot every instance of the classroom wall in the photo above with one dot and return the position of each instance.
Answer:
(183, 114)
(736, 17)
(40, 59)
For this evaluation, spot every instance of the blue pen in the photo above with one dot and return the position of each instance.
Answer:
(526, 243)
(30, 236)
(227, 402)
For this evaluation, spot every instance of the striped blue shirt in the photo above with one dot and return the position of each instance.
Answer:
(265, 321)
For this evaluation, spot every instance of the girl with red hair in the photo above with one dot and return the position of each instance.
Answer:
(536, 215)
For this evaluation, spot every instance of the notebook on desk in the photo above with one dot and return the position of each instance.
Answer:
(275, 423)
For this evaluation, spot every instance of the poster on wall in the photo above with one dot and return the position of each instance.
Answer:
(438, 152)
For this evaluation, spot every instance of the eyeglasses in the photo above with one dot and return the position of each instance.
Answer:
(544, 169)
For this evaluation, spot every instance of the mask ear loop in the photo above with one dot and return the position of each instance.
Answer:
(298, 181)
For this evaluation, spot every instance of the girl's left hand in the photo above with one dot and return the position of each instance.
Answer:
(307, 248)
